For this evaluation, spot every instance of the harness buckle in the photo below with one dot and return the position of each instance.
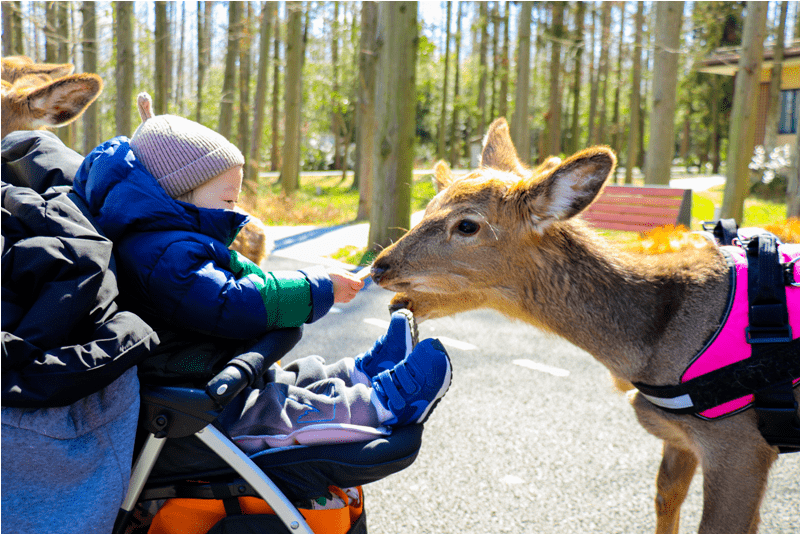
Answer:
(789, 275)
(768, 335)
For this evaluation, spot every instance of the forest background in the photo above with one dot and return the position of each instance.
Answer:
(381, 88)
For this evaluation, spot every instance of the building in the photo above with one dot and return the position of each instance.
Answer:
(725, 61)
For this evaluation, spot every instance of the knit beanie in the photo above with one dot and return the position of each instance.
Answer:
(180, 153)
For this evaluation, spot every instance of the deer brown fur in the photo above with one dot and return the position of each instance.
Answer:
(47, 95)
(505, 237)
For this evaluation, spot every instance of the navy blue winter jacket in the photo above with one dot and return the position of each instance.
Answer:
(173, 257)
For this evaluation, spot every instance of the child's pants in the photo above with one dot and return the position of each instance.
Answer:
(308, 395)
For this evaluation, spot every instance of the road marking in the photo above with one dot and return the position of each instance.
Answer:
(450, 342)
(530, 364)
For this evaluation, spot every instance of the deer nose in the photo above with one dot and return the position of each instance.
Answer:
(378, 272)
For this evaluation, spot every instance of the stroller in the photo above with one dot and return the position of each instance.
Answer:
(185, 456)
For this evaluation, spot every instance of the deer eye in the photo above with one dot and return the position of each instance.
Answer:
(467, 227)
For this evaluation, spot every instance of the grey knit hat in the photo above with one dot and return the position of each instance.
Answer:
(180, 153)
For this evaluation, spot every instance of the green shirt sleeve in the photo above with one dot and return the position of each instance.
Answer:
(286, 294)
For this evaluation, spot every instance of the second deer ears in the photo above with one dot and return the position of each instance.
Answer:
(145, 105)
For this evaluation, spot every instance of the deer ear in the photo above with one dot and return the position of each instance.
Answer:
(442, 176)
(567, 190)
(499, 152)
(62, 101)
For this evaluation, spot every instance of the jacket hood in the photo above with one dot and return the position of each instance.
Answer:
(124, 197)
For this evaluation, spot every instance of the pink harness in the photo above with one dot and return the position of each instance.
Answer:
(728, 345)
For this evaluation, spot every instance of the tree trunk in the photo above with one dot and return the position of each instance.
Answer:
(519, 129)
(503, 96)
(603, 73)
(12, 29)
(666, 63)
(275, 151)
(455, 138)
(617, 135)
(124, 72)
(290, 170)
(160, 102)
(774, 110)
(395, 122)
(257, 136)
(245, 44)
(634, 124)
(443, 115)
(226, 119)
(593, 72)
(793, 181)
(91, 127)
(482, 69)
(743, 115)
(180, 104)
(336, 100)
(365, 113)
(495, 59)
(555, 94)
(203, 53)
(579, 43)
(62, 38)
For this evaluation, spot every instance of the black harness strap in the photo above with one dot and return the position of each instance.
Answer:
(777, 365)
(767, 302)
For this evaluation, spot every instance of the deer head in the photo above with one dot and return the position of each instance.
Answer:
(43, 95)
(469, 243)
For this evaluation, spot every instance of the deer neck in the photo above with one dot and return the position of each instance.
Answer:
(628, 311)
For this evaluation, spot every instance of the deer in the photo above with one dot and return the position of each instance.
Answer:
(38, 96)
(510, 238)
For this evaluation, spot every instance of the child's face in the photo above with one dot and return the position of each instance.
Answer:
(221, 192)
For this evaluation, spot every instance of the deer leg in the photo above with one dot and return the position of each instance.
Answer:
(675, 474)
(735, 478)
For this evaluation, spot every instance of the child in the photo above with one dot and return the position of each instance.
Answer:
(165, 198)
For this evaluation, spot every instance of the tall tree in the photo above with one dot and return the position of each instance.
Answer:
(593, 72)
(226, 120)
(178, 94)
(636, 73)
(365, 111)
(743, 121)
(496, 21)
(555, 93)
(774, 108)
(666, 63)
(617, 127)
(275, 149)
(395, 122)
(455, 139)
(519, 128)
(442, 116)
(245, 44)
(579, 51)
(91, 128)
(336, 99)
(254, 159)
(603, 72)
(503, 95)
(203, 52)
(124, 72)
(160, 86)
(482, 67)
(12, 29)
(290, 170)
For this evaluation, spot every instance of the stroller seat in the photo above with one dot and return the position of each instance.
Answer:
(185, 454)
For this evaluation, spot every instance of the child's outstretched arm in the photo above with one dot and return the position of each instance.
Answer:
(346, 285)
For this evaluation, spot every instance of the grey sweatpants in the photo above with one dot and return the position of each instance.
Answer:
(66, 469)
(305, 393)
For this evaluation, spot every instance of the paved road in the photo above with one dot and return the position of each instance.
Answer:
(531, 437)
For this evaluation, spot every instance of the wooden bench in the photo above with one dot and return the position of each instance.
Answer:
(640, 208)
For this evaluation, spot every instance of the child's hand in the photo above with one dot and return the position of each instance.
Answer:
(346, 285)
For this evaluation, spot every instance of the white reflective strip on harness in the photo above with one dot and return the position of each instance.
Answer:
(681, 402)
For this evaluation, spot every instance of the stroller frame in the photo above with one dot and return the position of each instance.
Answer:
(170, 412)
